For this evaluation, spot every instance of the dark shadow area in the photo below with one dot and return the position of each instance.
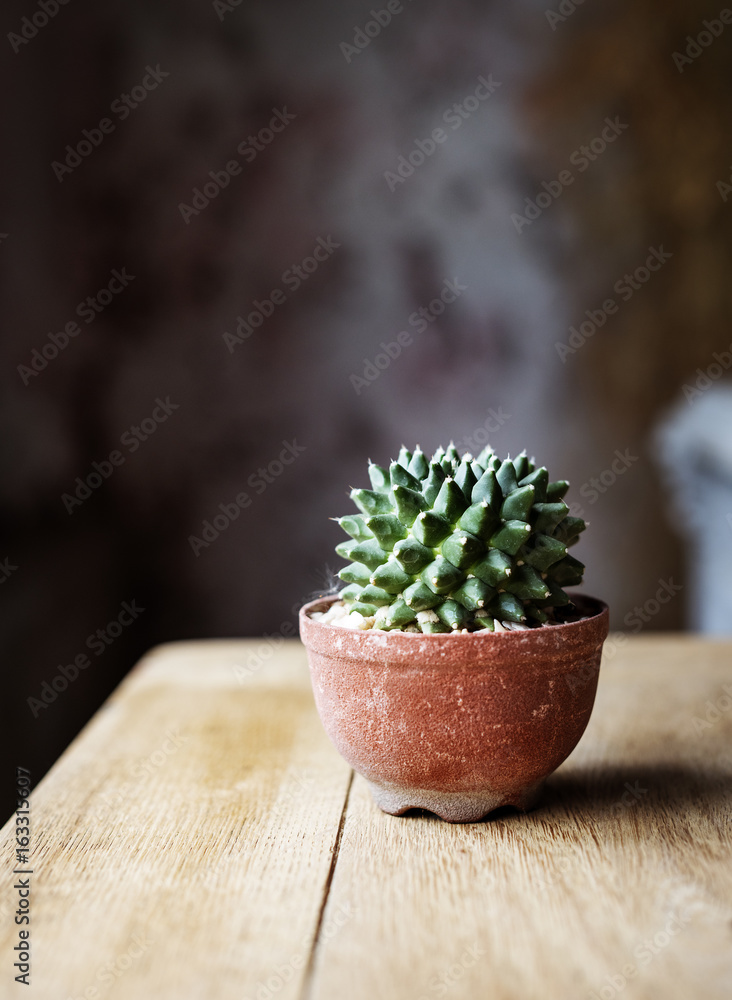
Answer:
(604, 792)
(608, 790)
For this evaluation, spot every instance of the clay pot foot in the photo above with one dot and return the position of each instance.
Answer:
(454, 807)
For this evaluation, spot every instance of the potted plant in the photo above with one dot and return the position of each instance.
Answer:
(453, 671)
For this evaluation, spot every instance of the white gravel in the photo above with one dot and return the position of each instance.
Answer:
(337, 614)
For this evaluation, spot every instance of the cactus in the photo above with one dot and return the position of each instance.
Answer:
(455, 543)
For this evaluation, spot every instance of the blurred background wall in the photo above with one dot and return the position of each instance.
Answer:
(575, 196)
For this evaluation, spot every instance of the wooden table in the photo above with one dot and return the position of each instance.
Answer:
(201, 838)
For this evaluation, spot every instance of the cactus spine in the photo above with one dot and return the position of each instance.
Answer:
(457, 543)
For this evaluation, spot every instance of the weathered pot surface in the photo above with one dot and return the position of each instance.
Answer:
(457, 724)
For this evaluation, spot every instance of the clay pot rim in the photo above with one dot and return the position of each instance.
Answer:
(593, 607)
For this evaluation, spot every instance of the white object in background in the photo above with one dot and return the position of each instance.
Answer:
(695, 448)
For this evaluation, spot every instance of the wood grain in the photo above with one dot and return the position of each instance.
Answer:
(214, 855)
(202, 836)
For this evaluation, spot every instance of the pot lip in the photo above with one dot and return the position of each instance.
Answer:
(595, 608)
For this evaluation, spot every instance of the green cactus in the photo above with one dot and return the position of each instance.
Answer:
(459, 543)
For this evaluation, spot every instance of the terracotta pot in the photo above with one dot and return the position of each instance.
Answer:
(458, 724)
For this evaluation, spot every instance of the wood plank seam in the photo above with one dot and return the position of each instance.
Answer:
(307, 983)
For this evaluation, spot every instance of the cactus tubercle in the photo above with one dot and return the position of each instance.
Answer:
(453, 544)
